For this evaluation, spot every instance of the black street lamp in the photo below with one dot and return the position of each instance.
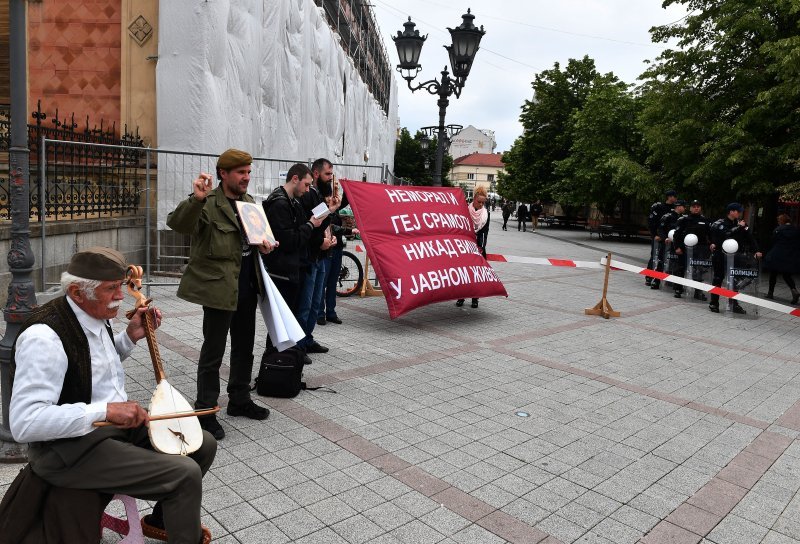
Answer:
(424, 142)
(466, 39)
(21, 292)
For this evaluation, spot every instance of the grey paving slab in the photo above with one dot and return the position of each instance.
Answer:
(632, 420)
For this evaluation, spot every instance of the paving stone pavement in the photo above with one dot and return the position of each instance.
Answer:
(667, 424)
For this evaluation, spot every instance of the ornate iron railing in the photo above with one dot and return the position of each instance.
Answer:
(82, 182)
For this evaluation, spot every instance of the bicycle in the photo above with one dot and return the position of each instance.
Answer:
(351, 276)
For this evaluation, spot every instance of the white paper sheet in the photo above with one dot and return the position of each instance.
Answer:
(283, 328)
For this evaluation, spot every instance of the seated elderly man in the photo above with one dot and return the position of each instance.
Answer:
(68, 375)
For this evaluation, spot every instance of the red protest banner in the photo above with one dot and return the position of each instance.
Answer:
(421, 242)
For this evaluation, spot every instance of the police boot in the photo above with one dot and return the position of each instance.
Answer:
(795, 296)
(655, 284)
(713, 306)
(699, 295)
(737, 308)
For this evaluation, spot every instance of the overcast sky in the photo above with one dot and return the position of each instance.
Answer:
(523, 37)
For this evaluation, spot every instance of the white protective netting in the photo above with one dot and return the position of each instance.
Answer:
(268, 77)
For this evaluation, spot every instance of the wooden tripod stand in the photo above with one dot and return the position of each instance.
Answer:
(367, 289)
(603, 307)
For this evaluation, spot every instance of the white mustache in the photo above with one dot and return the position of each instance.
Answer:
(114, 305)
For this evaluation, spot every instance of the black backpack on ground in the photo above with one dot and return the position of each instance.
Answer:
(281, 375)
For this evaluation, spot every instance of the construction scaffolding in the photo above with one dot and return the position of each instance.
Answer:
(354, 22)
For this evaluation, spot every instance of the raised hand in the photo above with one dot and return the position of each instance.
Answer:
(202, 186)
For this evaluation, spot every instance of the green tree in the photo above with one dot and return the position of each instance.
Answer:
(410, 159)
(407, 157)
(720, 113)
(605, 160)
(530, 163)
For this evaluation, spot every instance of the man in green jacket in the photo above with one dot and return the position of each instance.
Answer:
(223, 276)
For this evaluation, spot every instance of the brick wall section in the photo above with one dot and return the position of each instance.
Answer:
(74, 49)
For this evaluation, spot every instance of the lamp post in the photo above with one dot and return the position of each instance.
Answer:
(424, 144)
(466, 39)
(429, 132)
(21, 291)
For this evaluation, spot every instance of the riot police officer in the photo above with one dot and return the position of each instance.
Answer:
(657, 211)
(694, 223)
(722, 229)
(666, 224)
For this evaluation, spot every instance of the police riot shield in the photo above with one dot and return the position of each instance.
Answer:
(671, 263)
(654, 254)
(699, 268)
(742, 273)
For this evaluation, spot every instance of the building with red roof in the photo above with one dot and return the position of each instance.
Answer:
(477, 169)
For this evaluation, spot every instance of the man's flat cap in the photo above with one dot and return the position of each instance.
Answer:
(234, 158)
(98, 263)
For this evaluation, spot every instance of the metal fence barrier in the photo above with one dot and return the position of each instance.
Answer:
(103, 181)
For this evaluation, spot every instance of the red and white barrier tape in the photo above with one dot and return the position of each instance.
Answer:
(619, 265)
(721, 291)
(538, 260)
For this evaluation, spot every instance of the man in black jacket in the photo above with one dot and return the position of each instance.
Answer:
(310, 297)
(522, 216)
(657, 211)
(667, 222)
(286, 264)
(729, 227)
(694, 223)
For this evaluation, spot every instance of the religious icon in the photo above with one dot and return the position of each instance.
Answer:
(255, 223)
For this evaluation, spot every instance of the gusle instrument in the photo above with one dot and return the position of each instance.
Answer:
(180, 433)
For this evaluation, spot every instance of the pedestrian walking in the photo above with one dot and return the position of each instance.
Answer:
(784, 257)
(507, 209)
(522, 217)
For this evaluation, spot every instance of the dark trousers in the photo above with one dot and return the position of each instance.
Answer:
(773, 279)
(216, 324)
(328, 308)
(310, 301)
(505, 221)
(718, 265)
(521, 224)
(660, 257)
(680, 270)
(289, 291)
(652, 259)
(127, 464)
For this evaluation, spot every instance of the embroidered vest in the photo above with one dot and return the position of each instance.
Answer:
(58, 315)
